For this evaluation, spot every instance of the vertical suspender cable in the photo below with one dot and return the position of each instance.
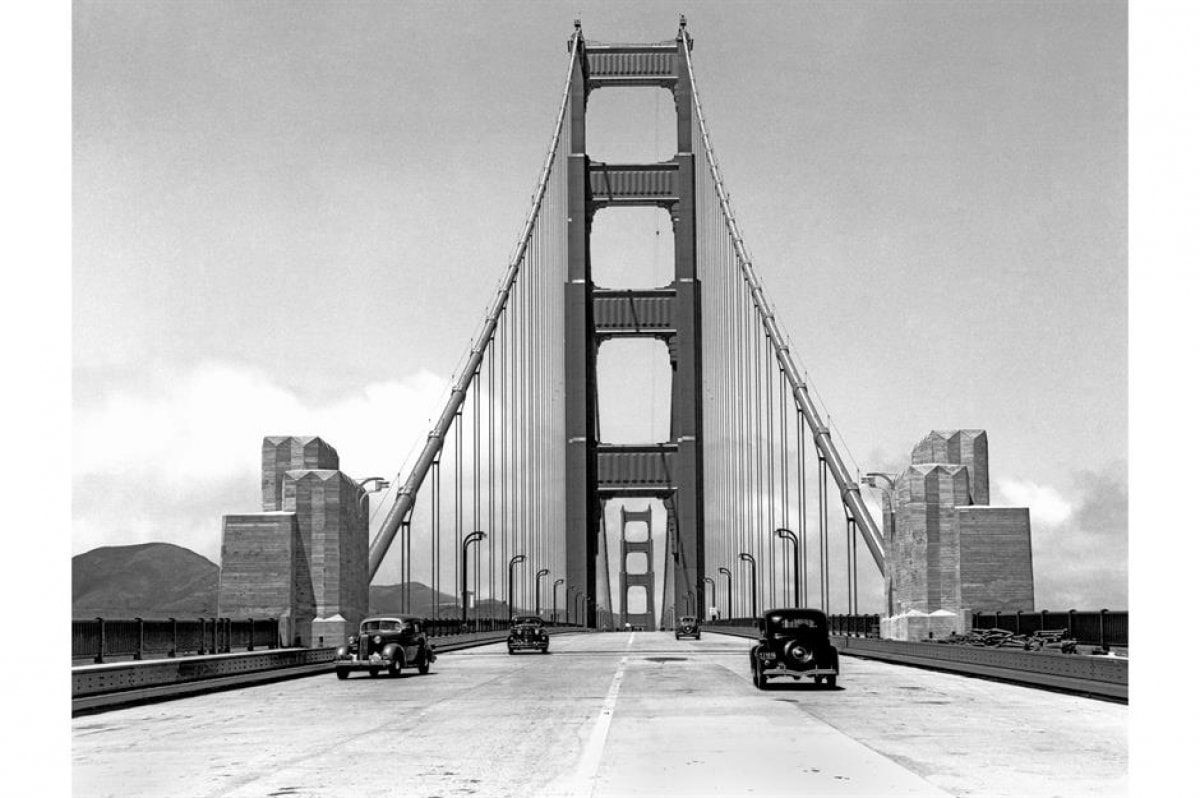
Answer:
(769, 530)
(407, 493)
(802, 486)
(459, 578)
(492, 476)
(851, 496)
(822, 519)
(784, 485)
(435, 540)
(505, 466)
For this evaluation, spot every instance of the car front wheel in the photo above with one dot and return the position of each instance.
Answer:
(394, 668)
(423, 663)
(342, 673)
(831, 681)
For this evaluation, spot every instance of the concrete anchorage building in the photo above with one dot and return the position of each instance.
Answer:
(303, 559)
(948, 551)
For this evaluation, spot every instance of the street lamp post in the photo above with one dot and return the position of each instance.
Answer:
(474, 537)
(537, 591)
(744, 557)
(378, 484)
(728, 591)
(568, 602)
(787, 534)
(711, 601)
(554, 594)
(889, 516)
(512, 563)
(579, 600)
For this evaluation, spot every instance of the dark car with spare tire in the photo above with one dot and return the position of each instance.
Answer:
(385, 645)
(794, 643)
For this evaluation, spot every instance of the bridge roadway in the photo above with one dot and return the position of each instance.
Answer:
(611, 714)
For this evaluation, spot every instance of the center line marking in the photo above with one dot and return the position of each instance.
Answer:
(589, 763)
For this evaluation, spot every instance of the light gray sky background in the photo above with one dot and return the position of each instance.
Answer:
(289, 218)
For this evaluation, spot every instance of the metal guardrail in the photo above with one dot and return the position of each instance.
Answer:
(104, 639)
(1106, 677)
(99, 687)
(1103, 677)
(1103, 628)
(101, 639)
(848, 625)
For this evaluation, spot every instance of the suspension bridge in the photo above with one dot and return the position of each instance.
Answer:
(518, 452)
(516, 501)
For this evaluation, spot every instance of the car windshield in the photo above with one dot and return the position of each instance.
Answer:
(687, 619)
(383, 625)
(527, 620)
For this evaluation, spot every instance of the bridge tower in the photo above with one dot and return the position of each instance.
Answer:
(645, 579)
(671, 470)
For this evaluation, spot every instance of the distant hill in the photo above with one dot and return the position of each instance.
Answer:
(389, 600)
(162, 580)
(148, 580)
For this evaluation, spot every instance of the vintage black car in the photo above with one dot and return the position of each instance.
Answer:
(795, 643)
(528, 632)
(385, 644)
(688, 626)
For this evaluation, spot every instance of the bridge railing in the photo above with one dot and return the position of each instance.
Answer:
(100, 639)
(441, 627)
(105, 639)
(1101, 628)
(844, 625)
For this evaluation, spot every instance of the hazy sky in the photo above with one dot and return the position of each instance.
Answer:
(289, 218)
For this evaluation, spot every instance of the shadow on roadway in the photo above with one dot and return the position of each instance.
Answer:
(802, 686)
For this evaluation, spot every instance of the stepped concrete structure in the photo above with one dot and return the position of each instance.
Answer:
(303, 559)
(948, 551)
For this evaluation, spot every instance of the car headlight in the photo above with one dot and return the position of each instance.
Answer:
(377, 639)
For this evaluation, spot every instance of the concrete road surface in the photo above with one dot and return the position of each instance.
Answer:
(616, 714)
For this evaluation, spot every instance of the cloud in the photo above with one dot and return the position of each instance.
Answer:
(1080, 540)
(1047, 507)
(163, 460)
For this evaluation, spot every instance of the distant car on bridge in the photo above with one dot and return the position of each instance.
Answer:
(528, 632)
(795, 643)
(385, 644)
(688, 626)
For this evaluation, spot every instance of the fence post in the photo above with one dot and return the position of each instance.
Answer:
(250, 645)
(203, 635)
(996, 625)
(141, 634)
(214, 649)
(1044, 614)
(1018, 623)
(228, 635)
(1071, 623)
(174, 637)
(1103, 637)
(100, 652)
